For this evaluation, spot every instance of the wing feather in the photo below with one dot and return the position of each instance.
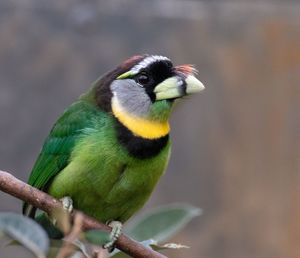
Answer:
(58, 146)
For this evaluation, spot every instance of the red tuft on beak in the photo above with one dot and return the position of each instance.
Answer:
(186, 69)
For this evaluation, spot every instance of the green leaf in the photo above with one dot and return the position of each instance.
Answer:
(25, 231)
(97, 237)
(162, 223)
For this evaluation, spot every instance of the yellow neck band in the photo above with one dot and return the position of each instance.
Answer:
(137, 125)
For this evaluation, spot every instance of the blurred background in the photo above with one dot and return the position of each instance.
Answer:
(236, 146)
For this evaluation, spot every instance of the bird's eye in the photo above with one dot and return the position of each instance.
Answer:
(143, 79)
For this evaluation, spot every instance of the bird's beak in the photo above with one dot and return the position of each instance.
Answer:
(178, 86)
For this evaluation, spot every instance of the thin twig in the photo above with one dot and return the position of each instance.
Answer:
(45, 202)
(68, 247)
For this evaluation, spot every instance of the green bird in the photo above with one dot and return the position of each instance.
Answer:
(107, 151)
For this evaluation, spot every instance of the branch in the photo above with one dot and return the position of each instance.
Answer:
(45, 202)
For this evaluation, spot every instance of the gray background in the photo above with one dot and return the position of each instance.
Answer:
(236, 151)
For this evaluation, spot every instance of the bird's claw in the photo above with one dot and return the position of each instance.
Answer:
(114, 235)
(67, 203)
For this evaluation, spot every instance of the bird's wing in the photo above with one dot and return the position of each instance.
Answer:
(58, 147)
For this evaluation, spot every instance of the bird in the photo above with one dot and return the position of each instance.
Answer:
(107, 151)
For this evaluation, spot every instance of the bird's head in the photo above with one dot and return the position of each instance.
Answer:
(143, 88)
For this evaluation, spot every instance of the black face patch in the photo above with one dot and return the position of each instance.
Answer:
(154, 74)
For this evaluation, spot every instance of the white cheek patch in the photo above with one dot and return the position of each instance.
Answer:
(146, 62)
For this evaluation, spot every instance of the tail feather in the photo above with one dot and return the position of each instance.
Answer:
(29, 210)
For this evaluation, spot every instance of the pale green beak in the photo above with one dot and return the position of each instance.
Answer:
(177, 87)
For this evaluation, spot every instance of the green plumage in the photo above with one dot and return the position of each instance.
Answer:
(108, 150)
(83, 159)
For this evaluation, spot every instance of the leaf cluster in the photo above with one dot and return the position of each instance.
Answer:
(152, 229)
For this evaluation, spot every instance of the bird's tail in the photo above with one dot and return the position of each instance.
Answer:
(29, 210)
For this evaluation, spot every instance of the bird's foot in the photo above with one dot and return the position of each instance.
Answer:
(67, 203)
(114, 234)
